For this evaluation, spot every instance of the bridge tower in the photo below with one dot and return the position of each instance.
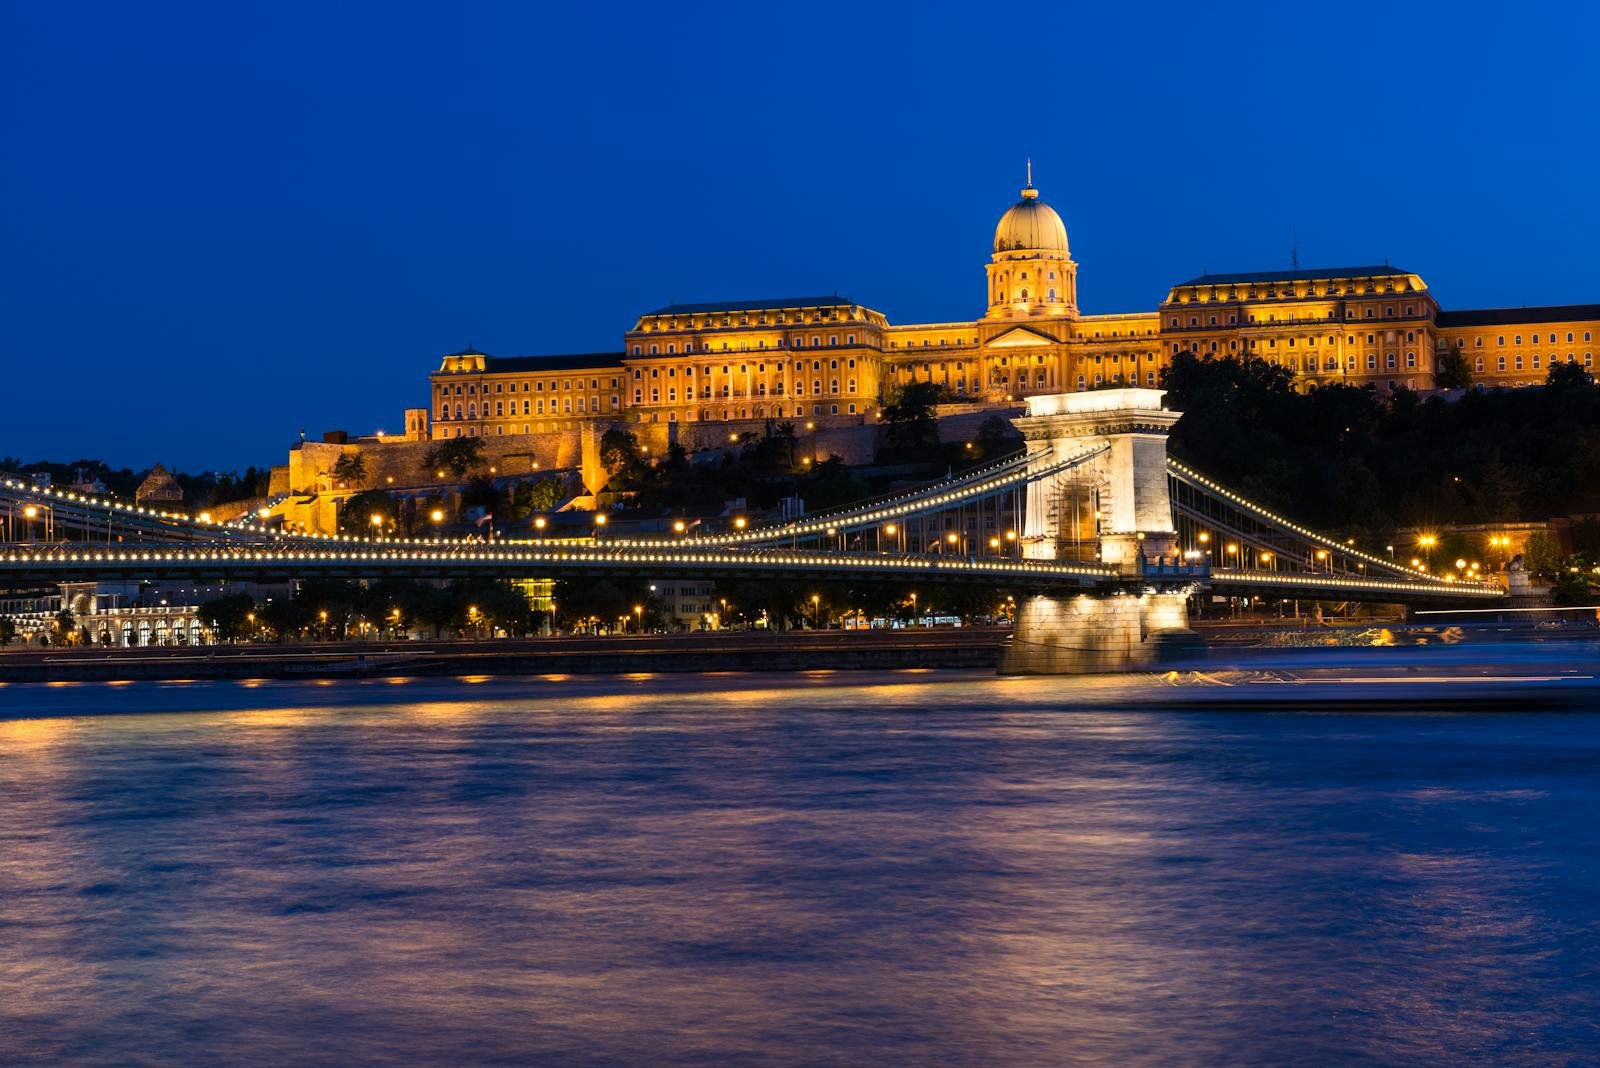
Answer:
(1120, 497)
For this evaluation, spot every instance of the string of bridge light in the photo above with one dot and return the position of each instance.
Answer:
(203, 519)
(910, 503)
(573, 555)
(1470, 589)
(977, 475)
(1185, 472)
(111, 505)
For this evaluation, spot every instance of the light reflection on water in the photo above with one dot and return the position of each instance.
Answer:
(787, 869)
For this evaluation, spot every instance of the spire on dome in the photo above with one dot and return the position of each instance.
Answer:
(1028, 191)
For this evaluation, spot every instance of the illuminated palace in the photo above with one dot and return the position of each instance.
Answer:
(833, 361)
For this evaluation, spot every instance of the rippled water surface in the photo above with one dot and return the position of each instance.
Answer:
(814, 869)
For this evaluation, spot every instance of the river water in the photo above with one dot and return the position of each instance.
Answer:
(896, 868)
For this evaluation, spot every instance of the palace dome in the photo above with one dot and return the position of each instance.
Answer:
(1030, 225)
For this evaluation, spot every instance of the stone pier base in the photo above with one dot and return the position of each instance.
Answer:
(1082, 635)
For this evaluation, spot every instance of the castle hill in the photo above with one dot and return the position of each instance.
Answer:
(877, 534)
(1302, 455)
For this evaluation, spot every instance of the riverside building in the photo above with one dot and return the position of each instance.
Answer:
(831, 360)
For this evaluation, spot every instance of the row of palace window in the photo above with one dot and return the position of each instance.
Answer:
(590, 404)
(1022, 295)
(1116, 379)
(761, 343)
(1004, 361)
(759, 391)
(760, 413)
(536, 386)
(1292, 292)
(927, 343)
(1331, 363)
(744, 368)
(1555, 358)
(1533, 339)
(744, 320)
(1272, 317)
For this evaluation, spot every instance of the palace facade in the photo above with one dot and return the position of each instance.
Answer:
(830, 360)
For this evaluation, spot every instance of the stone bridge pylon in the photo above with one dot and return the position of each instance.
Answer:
(1114, 507)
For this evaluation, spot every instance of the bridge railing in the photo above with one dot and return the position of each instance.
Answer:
(938, 497)
(1289, 544)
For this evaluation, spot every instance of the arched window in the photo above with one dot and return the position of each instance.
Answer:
(1052, 294)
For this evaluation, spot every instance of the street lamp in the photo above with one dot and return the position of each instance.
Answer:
(437, 515)
(816, 612)
(638, 618)
(376, 519)
(539, 523)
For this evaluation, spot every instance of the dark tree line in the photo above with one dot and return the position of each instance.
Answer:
(1353, 461)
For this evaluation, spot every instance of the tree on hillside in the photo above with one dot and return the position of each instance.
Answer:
(1453, 372)
(910, 417)
(531, 497)
(1568, 376)
(350, 470)
(355, 514)
(481, 492)
(996, 438)
(456, 456)
(620, 455)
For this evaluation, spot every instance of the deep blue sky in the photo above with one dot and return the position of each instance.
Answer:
(223, 222)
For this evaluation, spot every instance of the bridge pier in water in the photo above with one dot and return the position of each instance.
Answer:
(1120, 498)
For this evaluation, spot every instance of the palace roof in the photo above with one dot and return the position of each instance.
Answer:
(1557, 313)
(578, 361)
(834, 301)
(1313, 274)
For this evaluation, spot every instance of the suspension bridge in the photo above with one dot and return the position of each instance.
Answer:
(1101, 531)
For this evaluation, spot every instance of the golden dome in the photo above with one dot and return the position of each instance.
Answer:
(1030, 225)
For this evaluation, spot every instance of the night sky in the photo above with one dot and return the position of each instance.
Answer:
(224, 222)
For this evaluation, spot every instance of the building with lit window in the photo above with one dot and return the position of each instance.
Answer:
(832, 361)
